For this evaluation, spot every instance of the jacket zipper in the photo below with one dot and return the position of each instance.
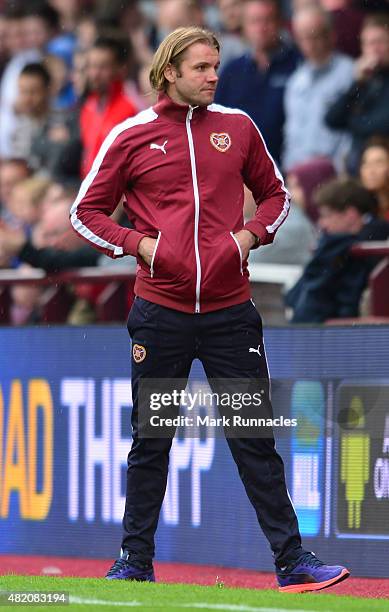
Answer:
(197, 207)
(153, 256)
(240, 252)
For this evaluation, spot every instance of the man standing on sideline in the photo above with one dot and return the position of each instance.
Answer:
(182, 165)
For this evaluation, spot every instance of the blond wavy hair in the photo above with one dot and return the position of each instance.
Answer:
(172, 50)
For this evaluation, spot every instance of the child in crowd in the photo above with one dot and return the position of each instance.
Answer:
(333, 281)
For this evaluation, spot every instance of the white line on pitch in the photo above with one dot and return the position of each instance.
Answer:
(199, 605)
(103, 602)
(240, 608)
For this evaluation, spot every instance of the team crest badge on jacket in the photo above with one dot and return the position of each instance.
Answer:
(221, 142)
(139, 353)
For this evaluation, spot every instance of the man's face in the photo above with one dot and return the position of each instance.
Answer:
(36, 32)
(231, 14)
(22, 206)
(174, 14)
(261, 25)
(313, 37)
(374, 169)
(14, 36)
(53, 196)
(32, 96)
(11, 173)
(375, 45)
(195, 82)
(53, 229)
(333, 221)
(102, 70)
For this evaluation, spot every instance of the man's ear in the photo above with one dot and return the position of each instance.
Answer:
(170, 73)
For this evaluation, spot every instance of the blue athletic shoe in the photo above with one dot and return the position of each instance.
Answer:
(124, 569)
(309, 574)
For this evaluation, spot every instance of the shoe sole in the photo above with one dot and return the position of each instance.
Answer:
(315, 586)
(132, 579)
(149, 578)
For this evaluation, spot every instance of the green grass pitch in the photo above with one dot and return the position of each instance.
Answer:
(98, 594)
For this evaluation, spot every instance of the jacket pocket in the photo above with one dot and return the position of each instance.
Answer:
(240, 252)
(153, 255)
(222, 265)
(165, 265)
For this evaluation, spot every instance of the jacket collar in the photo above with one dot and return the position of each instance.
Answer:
(177, 113)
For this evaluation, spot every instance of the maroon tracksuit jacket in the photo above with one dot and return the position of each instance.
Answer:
(182, 171)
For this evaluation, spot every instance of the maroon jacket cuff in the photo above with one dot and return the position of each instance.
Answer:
(259, 230)
(131, 242)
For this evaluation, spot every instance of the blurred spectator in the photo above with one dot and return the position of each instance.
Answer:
(231, 44)
(231, 16)
(363, 109)
(31, 109)
(33, 222)
(20, 55)
(78, 74)
(333, 281)
(12, 172)
(308, 177)
(43, 31)
(56, 149)
(256, 81)
(53, 246)
(173, 14)
(139, 37)
(86, 32)
(15, 243)
(311, 90)
(57, 194)
(25, 300)
(41, 24)
(50, 246)
(24, 205)
(296, 239)
(374, 172)
(347, 21)
(53, 230)
(68, 11)
(107, 104)
(38, 233)
(63, 97)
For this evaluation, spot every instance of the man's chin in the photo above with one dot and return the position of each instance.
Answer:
(207, 97)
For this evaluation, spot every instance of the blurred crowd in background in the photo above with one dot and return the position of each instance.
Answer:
(313, 75)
